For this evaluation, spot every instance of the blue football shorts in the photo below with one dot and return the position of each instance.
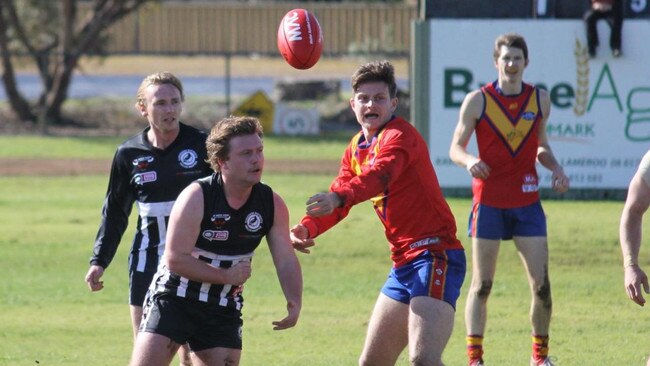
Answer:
(201, 325)
(437, 274)
(488, 222)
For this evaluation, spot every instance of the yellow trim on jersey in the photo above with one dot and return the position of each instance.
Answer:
(513, 133)
(356, 165)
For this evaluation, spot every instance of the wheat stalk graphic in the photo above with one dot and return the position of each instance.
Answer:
(582, 78)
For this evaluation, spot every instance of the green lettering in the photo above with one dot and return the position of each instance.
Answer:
(614, 93)
(553, 130)
(457, 83)
(562, 95)
(638, 116)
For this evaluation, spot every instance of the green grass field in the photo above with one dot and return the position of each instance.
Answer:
(49, 317)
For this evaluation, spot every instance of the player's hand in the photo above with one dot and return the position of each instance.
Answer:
(93, 276)
(239, 273)
(478, 169)
(634, 279)
(292, 318)
(322, 204)
(300, 238)
(560, 181)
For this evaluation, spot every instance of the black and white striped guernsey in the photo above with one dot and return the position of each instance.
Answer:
(227, 236)
(152, 179)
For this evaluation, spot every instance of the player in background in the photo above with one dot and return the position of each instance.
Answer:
(215, 226)
(509, 118)
(149, 169)
(388, 163)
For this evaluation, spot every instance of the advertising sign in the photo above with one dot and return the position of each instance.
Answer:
(599, 125)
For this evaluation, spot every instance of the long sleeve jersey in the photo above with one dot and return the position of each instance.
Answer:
(395, 172)
(152, 179)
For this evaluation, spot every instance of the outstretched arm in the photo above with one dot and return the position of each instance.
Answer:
(286, 264)
(637, 203)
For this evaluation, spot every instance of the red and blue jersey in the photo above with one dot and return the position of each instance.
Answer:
(395, 173)
(507, 138)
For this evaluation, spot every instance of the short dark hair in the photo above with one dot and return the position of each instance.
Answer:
(510, 40)
(223, 131)
(382, 71)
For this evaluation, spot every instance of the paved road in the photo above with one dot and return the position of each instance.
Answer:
(88, 86)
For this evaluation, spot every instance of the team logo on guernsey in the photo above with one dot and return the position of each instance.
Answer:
(142, 162)
(145, 177)
(218, 235)
(528, 116)
(219, 220)
(188, 158)
(253, 222)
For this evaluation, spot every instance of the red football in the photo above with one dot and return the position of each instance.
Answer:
(299, 39)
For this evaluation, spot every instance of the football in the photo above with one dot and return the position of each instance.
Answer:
(300, 40)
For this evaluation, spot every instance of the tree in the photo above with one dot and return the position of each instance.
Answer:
(54, 36)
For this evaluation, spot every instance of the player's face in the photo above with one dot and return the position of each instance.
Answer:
(511, 64)
(245, 160)
(373, 106)
(162, 107)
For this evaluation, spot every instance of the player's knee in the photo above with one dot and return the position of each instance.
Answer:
(543, 292)
(483, 290)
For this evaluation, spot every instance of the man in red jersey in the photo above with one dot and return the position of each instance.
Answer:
(509, 118)
(388, 163)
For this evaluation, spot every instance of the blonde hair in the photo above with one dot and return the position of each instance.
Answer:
(158, 78)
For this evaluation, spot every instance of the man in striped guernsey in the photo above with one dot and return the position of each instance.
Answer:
(215, 226)
(509, 118)
(149, 169)
(388, 164)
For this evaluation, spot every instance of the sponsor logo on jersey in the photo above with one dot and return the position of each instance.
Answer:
(425, 241)
(142, 162)
(146, 177)
(188, 158)
(530, 184)
(528, 116)
(253, 222)
(219, 220)
(218, 235)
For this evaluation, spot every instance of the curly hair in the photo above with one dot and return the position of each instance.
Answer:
(223, 131)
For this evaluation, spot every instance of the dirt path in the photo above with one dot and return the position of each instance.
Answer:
(74, 167)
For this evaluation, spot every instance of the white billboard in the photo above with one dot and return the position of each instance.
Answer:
(599, 126)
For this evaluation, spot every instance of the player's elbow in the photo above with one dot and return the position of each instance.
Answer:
(172, 262)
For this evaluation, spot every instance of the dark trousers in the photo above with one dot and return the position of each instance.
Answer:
(614, 18)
